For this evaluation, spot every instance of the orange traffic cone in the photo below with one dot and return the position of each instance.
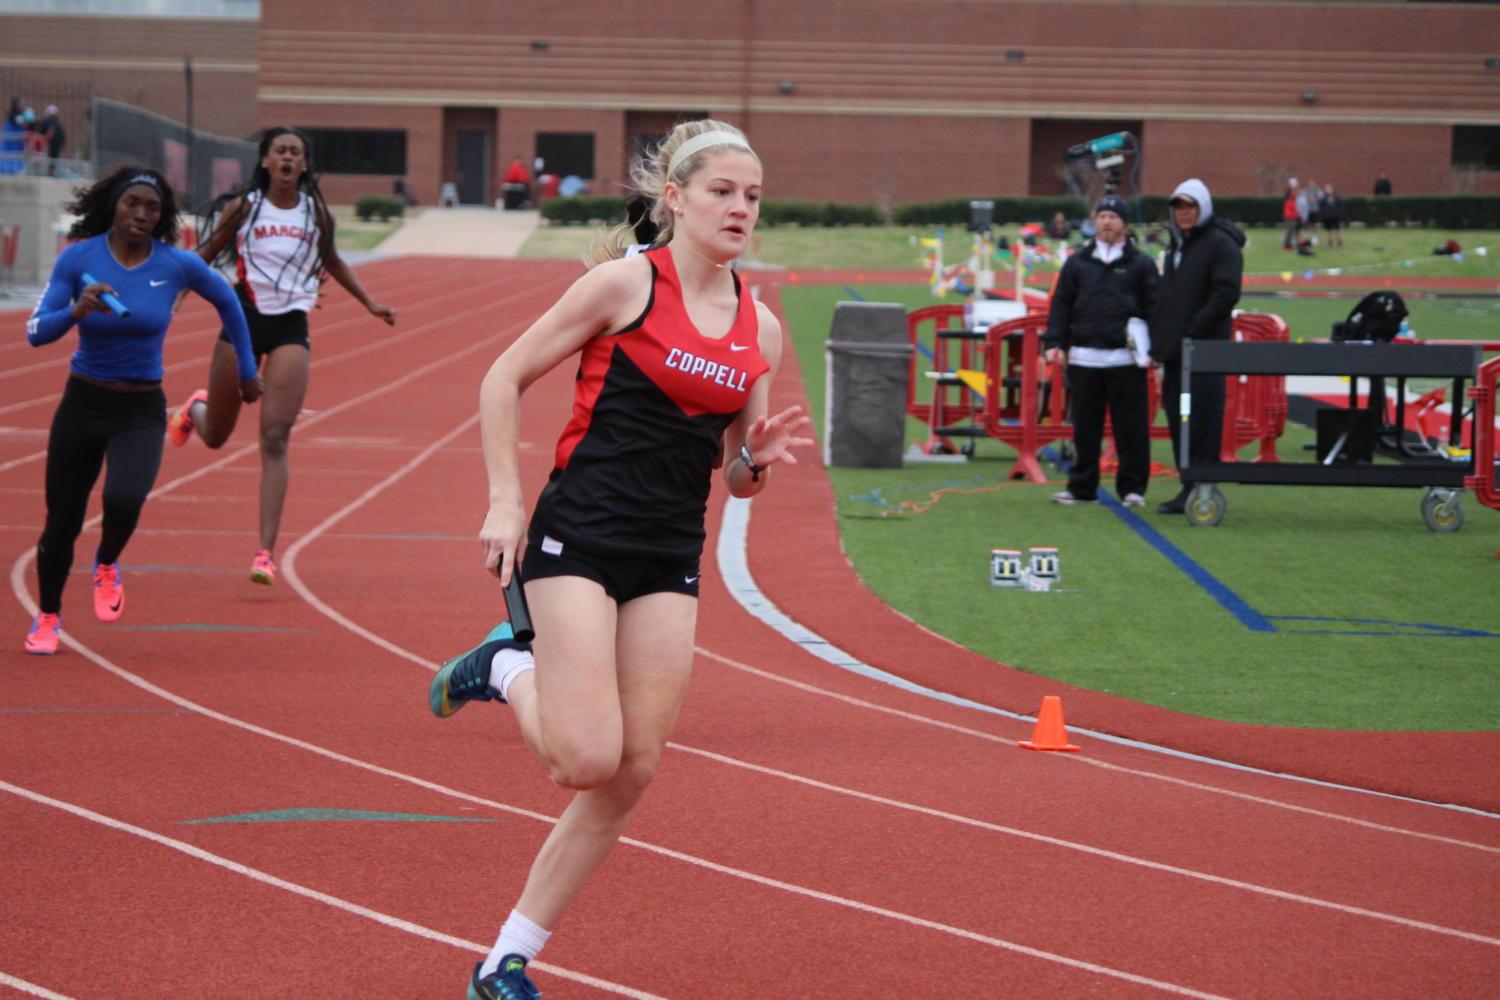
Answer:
(1050, 733)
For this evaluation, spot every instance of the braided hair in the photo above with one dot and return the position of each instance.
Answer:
(253, 195)
(95, 205)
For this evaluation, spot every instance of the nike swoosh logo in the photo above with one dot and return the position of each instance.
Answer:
(690, 580)
(116, 606)
(156, 284)
(739, 347)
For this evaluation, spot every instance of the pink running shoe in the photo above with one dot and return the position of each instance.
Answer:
(109, 592)
(263, 569)
(42, 639)
(180, 423)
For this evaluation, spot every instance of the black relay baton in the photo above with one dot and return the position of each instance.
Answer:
(515, 607)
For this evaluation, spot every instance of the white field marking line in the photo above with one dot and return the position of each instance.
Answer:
(1003, 741)
(24, 312)
(16, 463)
(652, 848)
(289, 560)
(385, 920)
(201, 332)
(18, 571)
(366, 348)
(31, 989)
(1128, 859)
(352, 352)
(383, 643)
(734, 568)
(18, 586)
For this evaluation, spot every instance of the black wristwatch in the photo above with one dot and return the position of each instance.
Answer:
(755, 470)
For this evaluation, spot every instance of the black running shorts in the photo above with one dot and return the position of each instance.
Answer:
(624, 578)
(270, 332)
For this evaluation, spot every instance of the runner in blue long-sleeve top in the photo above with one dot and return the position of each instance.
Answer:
(113, 407)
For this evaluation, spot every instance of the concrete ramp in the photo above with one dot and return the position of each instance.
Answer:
(462, 232)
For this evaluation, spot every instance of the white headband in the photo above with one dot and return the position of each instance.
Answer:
(703, 141)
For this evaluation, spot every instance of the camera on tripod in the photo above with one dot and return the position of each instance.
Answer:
(1108, 153)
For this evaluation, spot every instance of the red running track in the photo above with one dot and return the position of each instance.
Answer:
(811, 833)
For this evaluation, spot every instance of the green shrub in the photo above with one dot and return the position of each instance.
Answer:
(382, 206)
(1454, 211)
(585, 208)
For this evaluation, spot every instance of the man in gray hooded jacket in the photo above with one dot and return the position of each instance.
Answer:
(1199, 288)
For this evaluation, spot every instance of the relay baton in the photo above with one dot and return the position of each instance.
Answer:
(515, 606)
(115, 305)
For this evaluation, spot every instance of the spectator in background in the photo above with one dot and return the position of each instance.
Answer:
(1382, 184)
(1314, 205)
(1291, 219)
(1058, 228)
(1332, 215)
(36, 143)
(12, 139)
(1199, 288)
(516, 185)
(52, 130)
(1101, 294)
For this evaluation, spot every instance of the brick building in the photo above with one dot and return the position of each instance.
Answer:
(849, 100)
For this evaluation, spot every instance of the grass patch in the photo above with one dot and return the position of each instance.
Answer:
(886, 247)
(1431, 318)
(1129, 623)
(354, 234)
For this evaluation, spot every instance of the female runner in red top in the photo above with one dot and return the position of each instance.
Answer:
(674, 380)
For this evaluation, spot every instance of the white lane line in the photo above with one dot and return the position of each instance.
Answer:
(384, 919)
(734, 567)
(18, 571)
(31, 989)
(1005, 741)
(373, 345)
(1128, 859)
(401, 473)
(289, 559)
(17, 584)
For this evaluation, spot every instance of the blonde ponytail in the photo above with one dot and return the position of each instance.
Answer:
(649, 176)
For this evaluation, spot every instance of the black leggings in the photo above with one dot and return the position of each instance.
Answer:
(91, 424)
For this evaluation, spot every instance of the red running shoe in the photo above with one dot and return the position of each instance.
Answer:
(43, 637)
(180, 423)
(109, 592)
(263, 569)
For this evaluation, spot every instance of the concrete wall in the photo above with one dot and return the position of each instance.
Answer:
(35, 204)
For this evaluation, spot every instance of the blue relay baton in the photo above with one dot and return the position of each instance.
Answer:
(115, 305)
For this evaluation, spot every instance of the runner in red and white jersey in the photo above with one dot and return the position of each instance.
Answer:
(676, 361)
(278, 233)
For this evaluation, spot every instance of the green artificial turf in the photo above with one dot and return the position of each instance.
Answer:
(1130, 622)
(1366, 253)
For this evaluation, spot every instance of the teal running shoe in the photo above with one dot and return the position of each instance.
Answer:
(467, 678)
(509, 982)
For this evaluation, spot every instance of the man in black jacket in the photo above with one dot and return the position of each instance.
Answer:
(1104, 294)
(1200, 286)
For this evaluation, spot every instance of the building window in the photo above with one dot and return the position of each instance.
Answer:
(1476, 147)
(567, 153)
(358, 150)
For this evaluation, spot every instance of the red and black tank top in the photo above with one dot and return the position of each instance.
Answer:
(634, 465)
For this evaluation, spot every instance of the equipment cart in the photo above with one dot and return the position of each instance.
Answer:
(1347, 437)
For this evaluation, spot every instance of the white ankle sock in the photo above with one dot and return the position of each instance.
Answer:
(507, 665)
(518, 936)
